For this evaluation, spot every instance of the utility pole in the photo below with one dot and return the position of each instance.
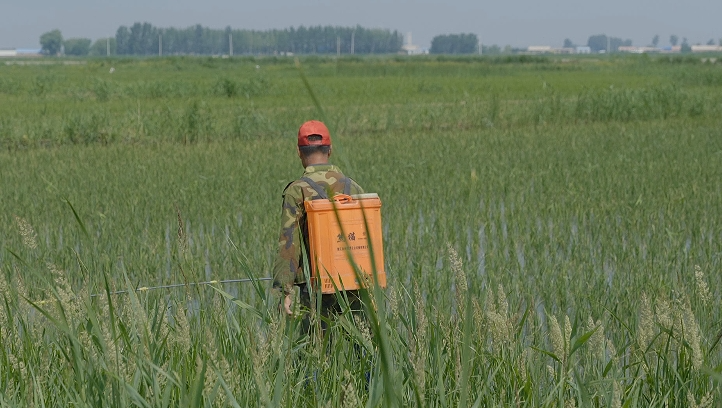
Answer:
(353, 33)
(107, 47)
(480, 46)
(160, 45)
(608, 45)
(338, 46)
(230, 45)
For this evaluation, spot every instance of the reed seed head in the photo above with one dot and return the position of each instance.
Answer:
(596, 341)
(363, 327)
(555, 335)
(30, 238)
(457, 266)
(692, 334)
(616, 395)
(611, 349)
(501, 300)
(645, 329)
(665, 314)
(350, 395)
(68, 301)
(705, 402)
(702, 288)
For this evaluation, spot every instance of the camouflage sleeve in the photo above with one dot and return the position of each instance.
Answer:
(289, 242)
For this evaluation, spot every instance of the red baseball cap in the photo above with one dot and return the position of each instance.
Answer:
(313, 127)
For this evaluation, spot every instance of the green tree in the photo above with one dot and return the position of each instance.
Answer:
(618, 42)
(454, 44)
(51, 42)
(568, 43)
(100, 47)
(655, 40)
(490, 49)
(673, 39)
(710, 42)
(77, 46)
(601, 42)
(122, 40)
(597, 42)
(142, 39)
(685, 48)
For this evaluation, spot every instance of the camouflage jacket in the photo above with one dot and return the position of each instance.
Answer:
(288, 269)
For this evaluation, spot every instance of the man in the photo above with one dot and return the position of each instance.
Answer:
(319, 179)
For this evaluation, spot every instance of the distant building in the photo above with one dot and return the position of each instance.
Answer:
(412, 49)
(539, 49)
(20, 52)
(637, 50)
(546, 49)
(8, 52)
(583, 50)
(707, 48)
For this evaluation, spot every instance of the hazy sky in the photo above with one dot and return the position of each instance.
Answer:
(513, 22)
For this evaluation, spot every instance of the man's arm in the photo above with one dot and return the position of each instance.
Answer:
(286, 265)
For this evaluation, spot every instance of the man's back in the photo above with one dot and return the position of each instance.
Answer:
(288, 269)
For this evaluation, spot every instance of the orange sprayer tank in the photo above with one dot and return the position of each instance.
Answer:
(330, 243)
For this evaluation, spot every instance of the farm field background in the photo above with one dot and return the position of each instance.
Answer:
(552, 229)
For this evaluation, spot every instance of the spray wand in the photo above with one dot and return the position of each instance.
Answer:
(177, 285)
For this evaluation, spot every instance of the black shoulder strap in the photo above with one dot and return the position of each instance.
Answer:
(346, 185)
(321, 192)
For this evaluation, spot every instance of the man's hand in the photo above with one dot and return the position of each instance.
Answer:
(287, 302)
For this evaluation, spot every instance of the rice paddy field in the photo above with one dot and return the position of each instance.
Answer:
(552, 231)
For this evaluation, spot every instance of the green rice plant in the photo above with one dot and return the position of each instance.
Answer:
(626, 105)
(9, 86)
(227, 87)
(255, 86)
(197, 124)
(90, 128)
(42, 85)
(102, 89)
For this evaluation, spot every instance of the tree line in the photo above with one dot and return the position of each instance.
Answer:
(455, 44)
(146, 39)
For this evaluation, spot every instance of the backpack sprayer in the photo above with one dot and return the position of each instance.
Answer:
(345, 236)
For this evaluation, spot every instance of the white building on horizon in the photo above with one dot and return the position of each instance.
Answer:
(411, 49)
(20, 52)
(583, 49)
(539, 49)
(706, 48)
(8, 52)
